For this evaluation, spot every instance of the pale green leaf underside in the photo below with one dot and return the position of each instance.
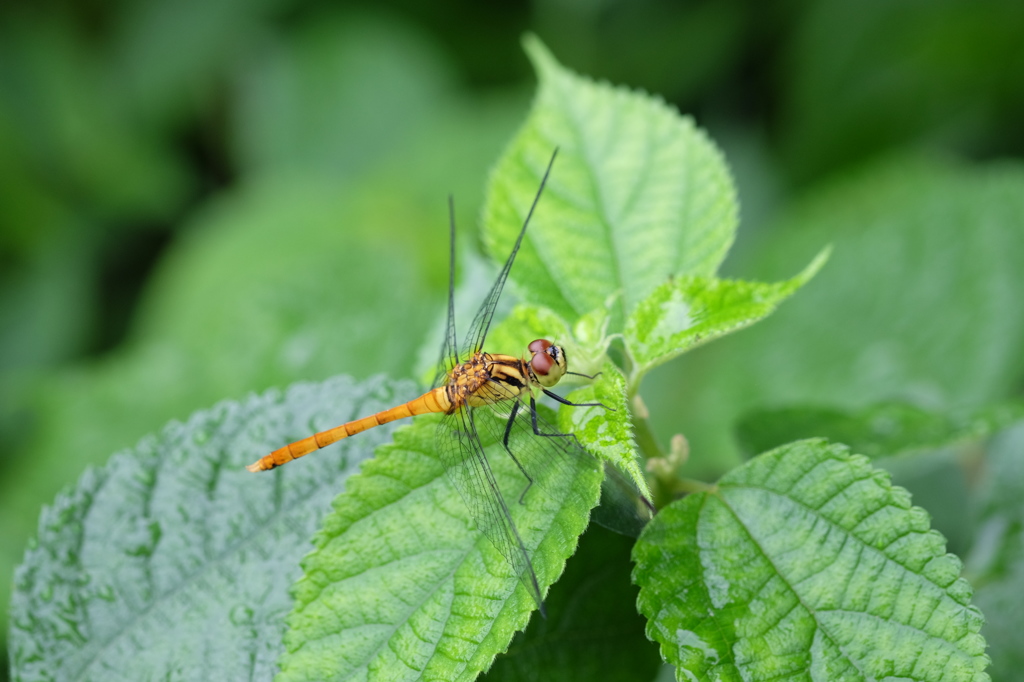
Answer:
(403, 587)
(806, 563)
(637, 194)
(173, 561)
(685, 312)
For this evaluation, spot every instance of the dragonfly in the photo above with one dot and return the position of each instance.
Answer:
(471, 379)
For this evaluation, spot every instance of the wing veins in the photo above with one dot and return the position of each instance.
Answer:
(449, 344)
(474, 340)
(467, 466)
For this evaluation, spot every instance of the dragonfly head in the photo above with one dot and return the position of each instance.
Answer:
(548, 362)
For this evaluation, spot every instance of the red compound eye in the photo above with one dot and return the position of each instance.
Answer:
(539, 346)
(541, 362)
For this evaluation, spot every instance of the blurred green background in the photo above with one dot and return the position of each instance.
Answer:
(200, 199)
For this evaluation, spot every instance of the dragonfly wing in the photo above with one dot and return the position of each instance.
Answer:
(556, 457)
(548, 466)
(449, 348)
(474, 340)
(466, 463)
(623, 509)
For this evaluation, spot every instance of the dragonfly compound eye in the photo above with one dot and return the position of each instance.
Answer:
(541, 362)
(547, 363)
(539, 346)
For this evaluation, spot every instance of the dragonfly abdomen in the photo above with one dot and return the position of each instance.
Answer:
(435, 400)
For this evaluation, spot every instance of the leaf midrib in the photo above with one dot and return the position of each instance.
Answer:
(847, 535)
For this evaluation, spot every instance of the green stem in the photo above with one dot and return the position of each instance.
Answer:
(663, 468)
(645, 439)
(685, 486)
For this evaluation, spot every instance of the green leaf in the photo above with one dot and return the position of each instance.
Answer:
(79, 135)
(997, 558)
(593, 631)
(336, 95)
(947, 87)
(170, 83)
(606, 431)
(285, 309)
(172, 561)
(400, 586)
(925, 269)
(637, 194)
(880, 430)
(806, 563)
(524, 324)
(685, 312)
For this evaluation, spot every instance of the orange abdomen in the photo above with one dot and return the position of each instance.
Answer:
(435, 400)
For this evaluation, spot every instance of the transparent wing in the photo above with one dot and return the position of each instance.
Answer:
(551, 459)
(468, 437)
(623, 509)
(448, 345)
(474, 340)
(466, 463)
(551, 456)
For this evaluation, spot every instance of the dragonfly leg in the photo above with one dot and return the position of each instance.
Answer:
(587, 376)
(536, 429)
(555, 396)
(504, 441)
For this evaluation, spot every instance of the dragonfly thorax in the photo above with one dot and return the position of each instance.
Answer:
(486, 379)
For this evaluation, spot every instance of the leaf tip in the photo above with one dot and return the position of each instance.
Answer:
(816, 264)
(538, 53)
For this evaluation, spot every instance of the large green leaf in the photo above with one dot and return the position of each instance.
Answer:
(336, 95)
(401, 587)
(880, 430)
(637, 194)
(86, 152)
(934, 72)
(236, 307)
(997, 559)
(172, 561)
(919, 304)
(806, 563)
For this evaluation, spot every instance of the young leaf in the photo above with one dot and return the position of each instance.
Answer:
(806, 562)
(636, 195)
(606, 431)
(880, 430)
(401, 586)
(685, 312)
(173, 561)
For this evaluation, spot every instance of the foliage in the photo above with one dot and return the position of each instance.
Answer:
(340, 127)
(806, 562)
(171, 558)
